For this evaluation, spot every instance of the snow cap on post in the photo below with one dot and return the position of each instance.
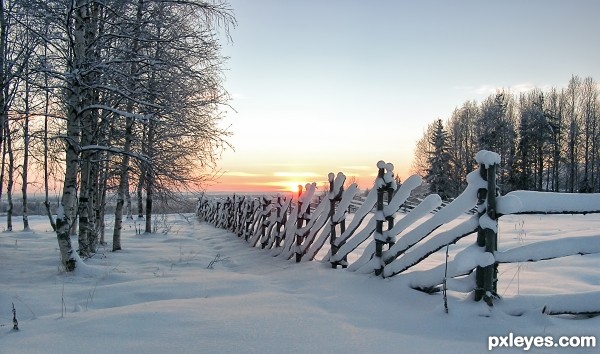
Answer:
(487, 158)
(339, 182)
(330, 176)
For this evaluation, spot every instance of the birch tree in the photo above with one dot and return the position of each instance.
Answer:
(122, 80)
(182, 133)
(80, 32)
(16, 50)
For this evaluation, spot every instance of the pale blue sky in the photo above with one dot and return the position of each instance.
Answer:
(336, 85)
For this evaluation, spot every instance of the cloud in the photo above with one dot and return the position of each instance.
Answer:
(297, 174)
(243, 174)
(358, 168)
(486, 89)
(238, 96)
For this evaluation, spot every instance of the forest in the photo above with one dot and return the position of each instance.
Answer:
(100, 98)
(548, 141)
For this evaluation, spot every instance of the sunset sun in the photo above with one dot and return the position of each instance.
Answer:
(292, 186)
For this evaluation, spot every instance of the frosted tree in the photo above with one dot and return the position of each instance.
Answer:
(590, 114)
(572, 149)
(546, 140)
(182, 135)
(534, 140)
(16, 48)
(420, 163)
(462, 141)
(120, 79)
(554, 110)
(496, 132)
(440, 166)
(77, 76)
(132, 85)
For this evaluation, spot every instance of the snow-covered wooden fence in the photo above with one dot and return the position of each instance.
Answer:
(292, 230)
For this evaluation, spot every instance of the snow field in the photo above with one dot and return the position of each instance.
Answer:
(157, 295)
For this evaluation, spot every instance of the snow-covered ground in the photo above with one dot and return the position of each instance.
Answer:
(159, 295)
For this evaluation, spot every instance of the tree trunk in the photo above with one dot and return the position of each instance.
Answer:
(149, 196)
(66, 211)
(24, 176)
(85, 248)
(3, 164)
(100, 205)
(149, 179)
(123, 190)
(75, 99)
(3, 88)
(46, 115)
(140, 194)
(128, 199)
(10, 175)
(93, 201)
(124, 170)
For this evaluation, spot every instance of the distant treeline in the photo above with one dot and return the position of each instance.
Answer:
(183, 205)
(548, 141)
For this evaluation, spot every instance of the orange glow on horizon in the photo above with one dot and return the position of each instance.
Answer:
(255, 184)
(279, 182)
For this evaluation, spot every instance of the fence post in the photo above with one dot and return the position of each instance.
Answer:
(263, 219)
(248, 219)
(487, 277)
(333, 200)
(239, 222)
(278, 223)
(385, 186)
(231, 213)
(299, 224)
(390, 218)
(228, 214)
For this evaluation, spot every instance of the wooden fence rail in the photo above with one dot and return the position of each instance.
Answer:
(295, 230)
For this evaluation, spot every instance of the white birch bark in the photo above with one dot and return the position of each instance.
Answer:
(75, 98)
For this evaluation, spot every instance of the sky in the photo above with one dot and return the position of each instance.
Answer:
(329, 86)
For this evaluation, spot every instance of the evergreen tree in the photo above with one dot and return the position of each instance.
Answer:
(440, 166)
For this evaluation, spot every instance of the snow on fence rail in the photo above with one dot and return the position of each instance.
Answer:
(292, 230)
